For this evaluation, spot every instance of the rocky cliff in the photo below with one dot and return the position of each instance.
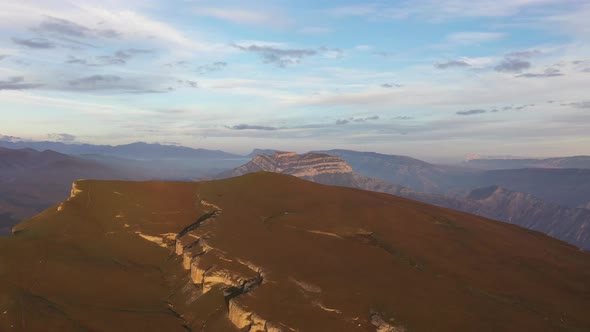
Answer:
(568, 224)
(306, 165)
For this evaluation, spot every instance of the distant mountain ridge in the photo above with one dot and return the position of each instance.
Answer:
(403, 170)
(31, 181)
(138, 150)
(557, 162)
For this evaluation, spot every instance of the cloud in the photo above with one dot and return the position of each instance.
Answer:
(315, 30)
(71, 29)
(403, 118)
(37, 43)
(391, 85)
(580, 104)
(439, 10)
(470, 38)
(329, 52)
(7, 138)
(118, 58)
(549, 72)
(17, 83)
(452, 64)
(512, 65)
(211, 68)
(3, 56)
(62, 137)
(252, 127)
(524, 54)
(245, 16)
(365, 119)
(113, 83)
(188, 83)
(280, 57)
(471, 112)
(357, 120)
(354, 10)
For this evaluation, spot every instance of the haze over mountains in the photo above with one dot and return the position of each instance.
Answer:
(552, 200)
(270, 252)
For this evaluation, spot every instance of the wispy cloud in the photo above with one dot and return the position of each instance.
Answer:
(18, 83)
(579, 104)
(277, 56)
(245, 16)
(37, 43)
(120, 57)
(440, 10)
(113, 83)
(471, 112)
(512, 65)
(474, 38)
(549, 72)
(211, 68)
(54, 25)
(252, 127)
(63, 137)
(452, 64)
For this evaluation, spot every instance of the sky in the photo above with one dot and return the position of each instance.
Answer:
(425, 78)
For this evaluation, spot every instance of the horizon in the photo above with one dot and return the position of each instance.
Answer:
(467, 157)
(434, 81)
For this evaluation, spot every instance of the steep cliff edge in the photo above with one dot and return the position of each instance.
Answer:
(300, 165)
(270, 252)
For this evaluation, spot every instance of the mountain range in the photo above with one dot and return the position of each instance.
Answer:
(552, 200)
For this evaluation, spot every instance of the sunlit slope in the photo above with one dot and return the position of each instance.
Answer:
(270, 252)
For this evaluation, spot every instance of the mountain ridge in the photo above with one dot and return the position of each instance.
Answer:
(271, 252)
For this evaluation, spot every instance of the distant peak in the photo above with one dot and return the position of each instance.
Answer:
(300, 165)
(483, 193)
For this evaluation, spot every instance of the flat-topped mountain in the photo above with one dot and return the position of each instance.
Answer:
(300, 165)
(270, 252)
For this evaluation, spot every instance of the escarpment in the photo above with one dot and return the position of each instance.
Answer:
(210, 267)
(300, 165)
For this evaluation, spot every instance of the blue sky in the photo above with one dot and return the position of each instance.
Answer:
(430, 79)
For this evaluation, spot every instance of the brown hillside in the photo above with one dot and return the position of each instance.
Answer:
(270, 252)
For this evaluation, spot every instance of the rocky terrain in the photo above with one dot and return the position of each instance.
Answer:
(565, 223)
(568, 224)
(270, 252)
(306, 165)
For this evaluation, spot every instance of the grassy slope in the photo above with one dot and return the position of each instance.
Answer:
(426, 268)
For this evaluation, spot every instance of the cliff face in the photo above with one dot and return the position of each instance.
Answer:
(568, 224)
(268, 252)
(301, 165)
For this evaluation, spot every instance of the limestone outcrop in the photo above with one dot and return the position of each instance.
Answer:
(300, 165)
